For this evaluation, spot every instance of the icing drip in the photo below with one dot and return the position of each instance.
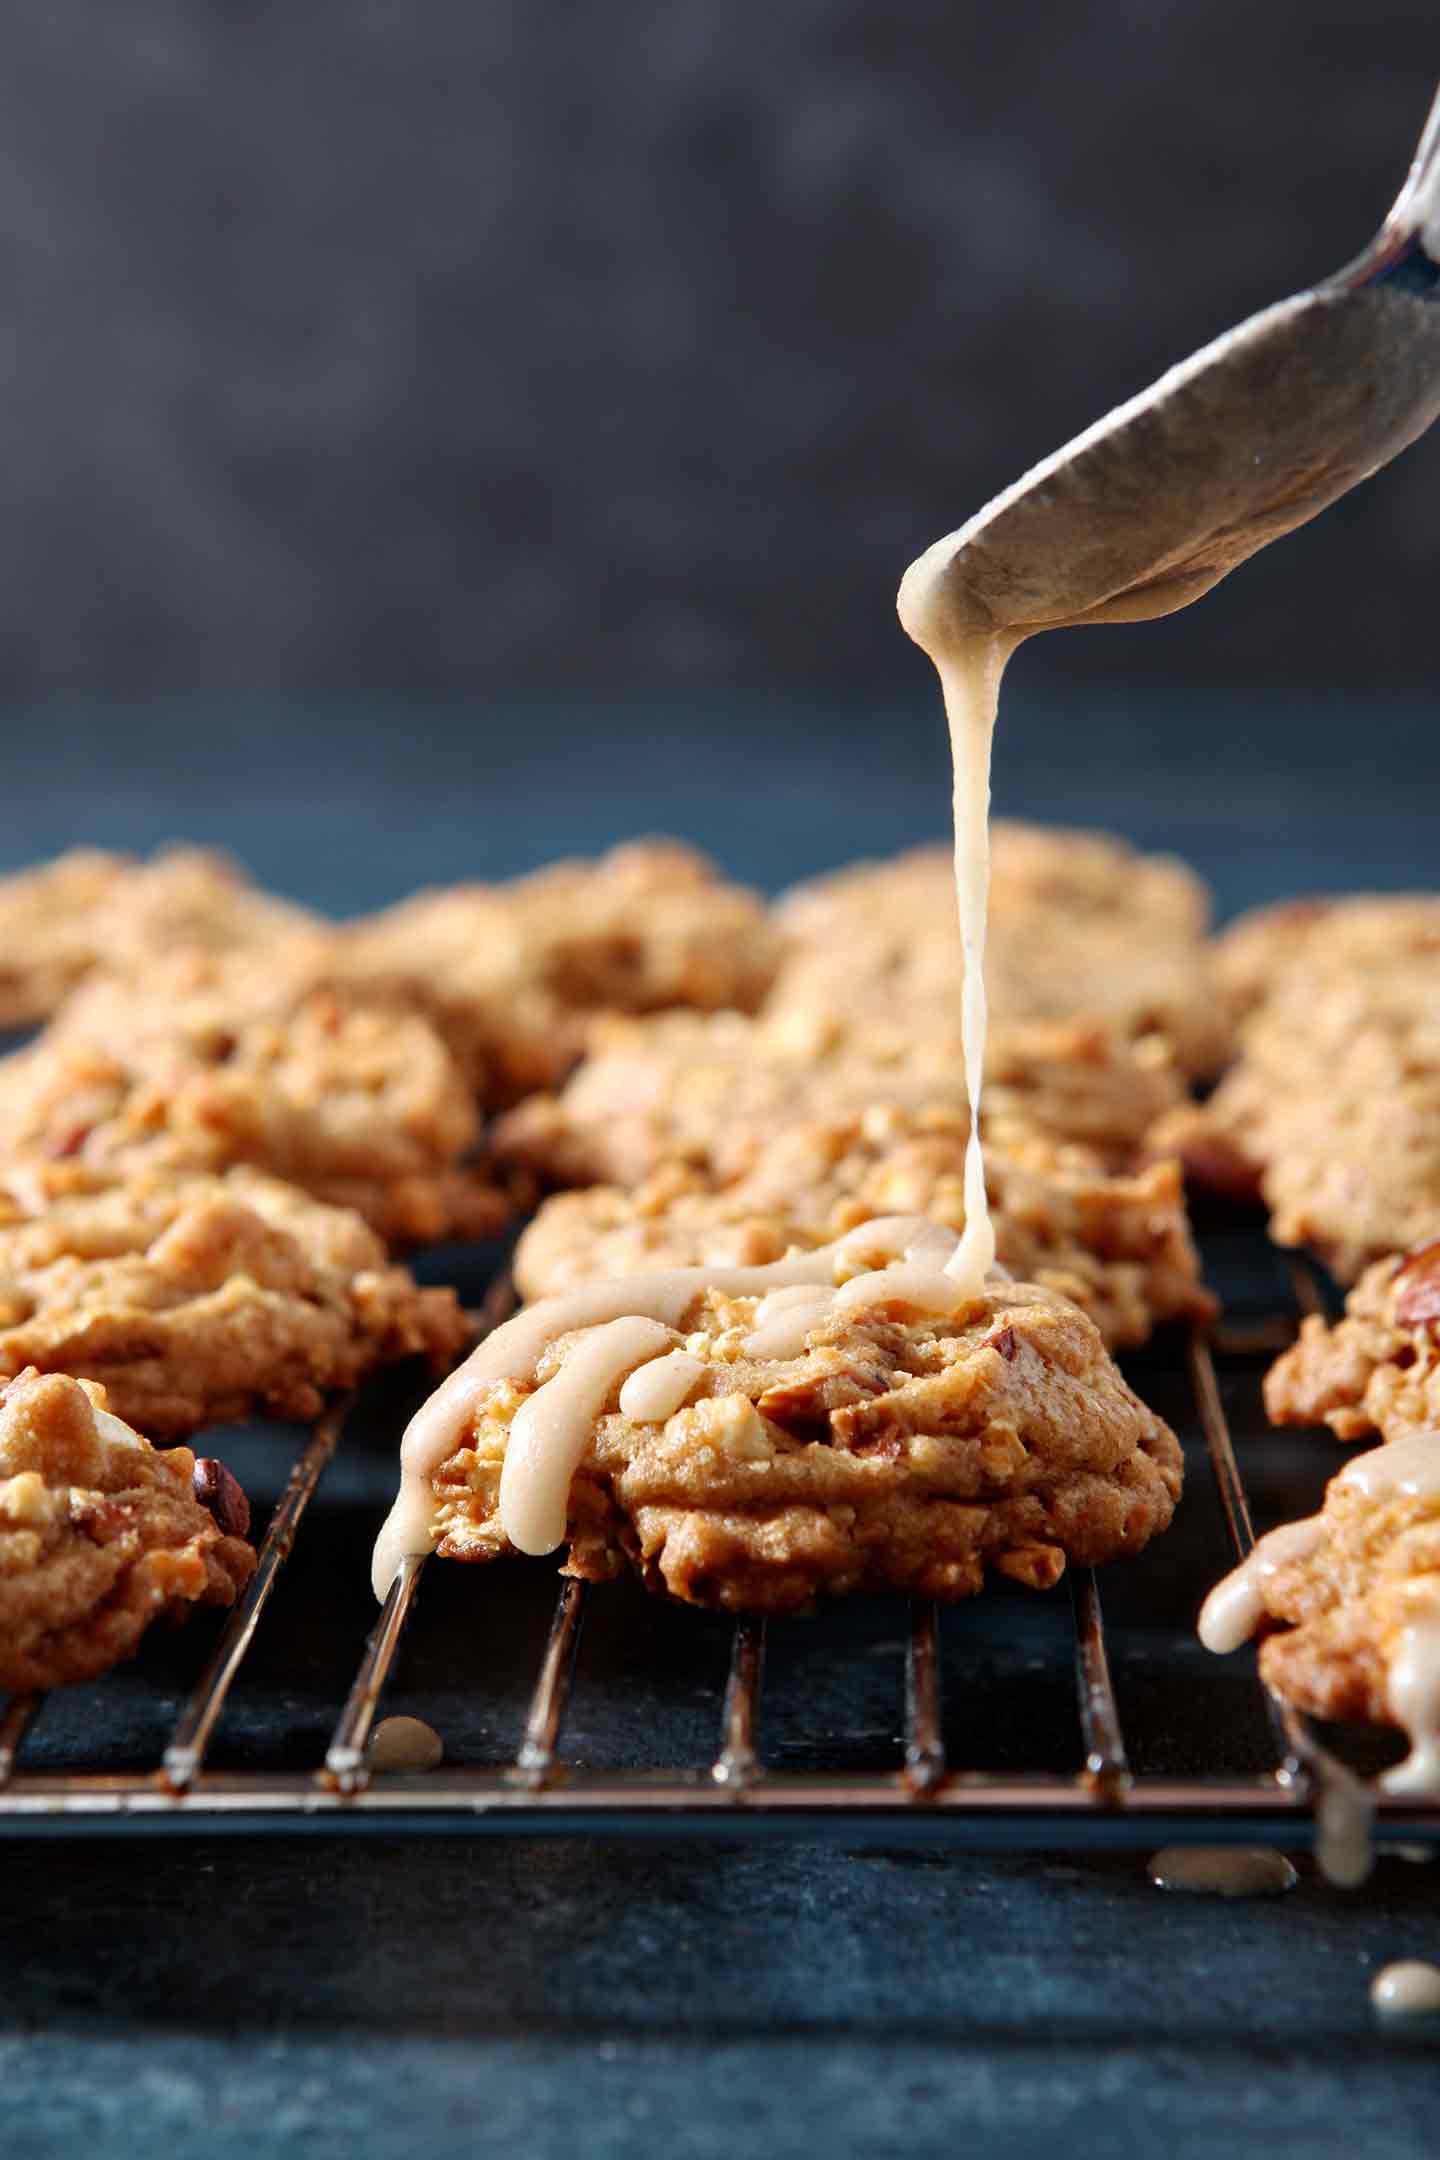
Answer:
(1413, 1693)
(1408, 1468)
(655, 1391)
(1236, 1605)
(1228, 1871)
(785, 1318)
(549, 1430)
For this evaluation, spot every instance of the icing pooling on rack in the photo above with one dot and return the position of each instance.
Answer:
(1406, 1469)
(629, 1326)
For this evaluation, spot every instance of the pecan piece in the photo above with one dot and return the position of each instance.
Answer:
(220, 1492)
(1417, 1287)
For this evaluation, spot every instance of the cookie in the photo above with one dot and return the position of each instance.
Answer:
(1377, 1370)
(1332, 1114)
(90, 909)
(514, 974)
(711, 1090)
(101, 1535)
(1081, 928)
(48, 930)
(210, 1060)
(1348, 1604)
(199, 1299)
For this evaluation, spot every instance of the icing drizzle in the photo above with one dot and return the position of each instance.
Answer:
(630, 1326)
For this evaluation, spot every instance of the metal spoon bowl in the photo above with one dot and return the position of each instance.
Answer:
(1248, 438)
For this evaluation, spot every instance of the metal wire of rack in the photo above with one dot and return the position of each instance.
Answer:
(1102, 1800)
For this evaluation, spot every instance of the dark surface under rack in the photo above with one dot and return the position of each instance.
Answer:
(1014, 1720)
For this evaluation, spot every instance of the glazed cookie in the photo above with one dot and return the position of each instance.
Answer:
(875, 1449)
(1356, 1590)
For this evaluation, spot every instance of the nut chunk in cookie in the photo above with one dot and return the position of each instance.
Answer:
(199, 1299)
(100, 1534)
(1357, 1590)
(1377, 1370)
(756, 1439)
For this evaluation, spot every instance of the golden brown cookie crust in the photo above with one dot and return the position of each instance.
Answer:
(894, 1453)
(200, 1299)
(1332, 1113)
(1377, 1370)
(1082, 928)
(48, 930)
(212, 1060)
(90, 909)
(1119, 1247)
(513, 975)
(712, 1090)
(100, 1535)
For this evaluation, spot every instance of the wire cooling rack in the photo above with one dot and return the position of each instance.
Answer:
(931, 1790)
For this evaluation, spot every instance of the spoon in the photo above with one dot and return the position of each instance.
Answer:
(1248, 438)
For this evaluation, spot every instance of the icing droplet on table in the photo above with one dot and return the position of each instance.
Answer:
(1408, 1988)
(1229, 1871)
(1344, 1846)
(400, 1744)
